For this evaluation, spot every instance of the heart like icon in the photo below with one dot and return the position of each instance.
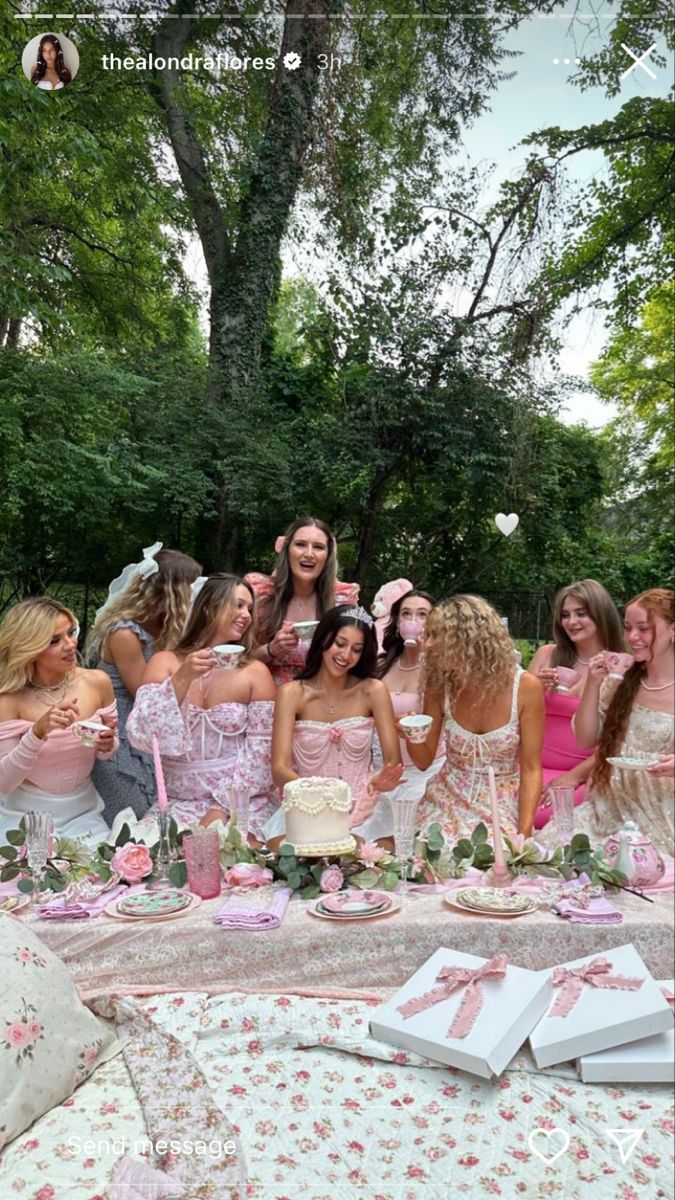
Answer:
(506, 525)
(550, 1157)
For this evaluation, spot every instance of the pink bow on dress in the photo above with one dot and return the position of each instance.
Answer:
(452, 978)
(571, 982)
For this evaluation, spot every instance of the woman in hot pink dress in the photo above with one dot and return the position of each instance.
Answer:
(325, 721)
(585, 622)
(303, 587)
(213, 725)
(44, 765)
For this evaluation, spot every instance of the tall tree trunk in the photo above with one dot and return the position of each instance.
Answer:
(368, 527)
(242, 259)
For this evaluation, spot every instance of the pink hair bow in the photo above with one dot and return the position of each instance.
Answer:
(571, 982)
(452, 978)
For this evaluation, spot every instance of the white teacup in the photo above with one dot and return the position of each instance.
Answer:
(305, 629)
(228, 654)
(87, 731)
(416, 727)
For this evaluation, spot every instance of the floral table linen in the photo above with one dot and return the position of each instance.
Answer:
(322, 1110)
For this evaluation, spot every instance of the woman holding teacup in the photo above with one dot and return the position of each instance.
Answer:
(325, 721)
(210, 705)
(293, 599)
(399, 668)
(491, 714)
(56, 720)
(585, 623)
(145, 611)
(631, 718)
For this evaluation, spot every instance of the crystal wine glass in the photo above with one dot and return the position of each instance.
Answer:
(239, 800)
(39, 833)
(404, 809)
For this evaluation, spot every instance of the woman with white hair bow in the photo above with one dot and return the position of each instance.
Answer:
(145, 611)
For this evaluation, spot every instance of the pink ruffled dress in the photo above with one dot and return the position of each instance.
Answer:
(458, 796)
(52, 774)
(560, 751)
(263, 589)
(205, 751)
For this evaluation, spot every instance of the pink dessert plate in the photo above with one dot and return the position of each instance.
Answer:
(113, 910)
(13, 903)
(315, 910)
(454, 902)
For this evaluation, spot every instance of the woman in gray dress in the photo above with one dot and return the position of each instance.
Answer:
(145, 612)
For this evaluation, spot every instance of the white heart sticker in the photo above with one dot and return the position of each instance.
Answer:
(506, 525)
(558, 1134)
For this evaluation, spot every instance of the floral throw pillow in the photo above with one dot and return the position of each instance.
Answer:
(49, 1042)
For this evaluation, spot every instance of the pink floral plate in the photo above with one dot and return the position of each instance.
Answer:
(160, 912)
(354, 903)
(314, 908)
(455, 902)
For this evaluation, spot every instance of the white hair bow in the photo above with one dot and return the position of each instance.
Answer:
(145, 568)
(195, 588)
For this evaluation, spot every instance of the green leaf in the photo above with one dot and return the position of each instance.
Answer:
(16, 837)
(483, 856)
(311, 890)
(389, 881)
(123, 836)
(178, 873)
(294, 880)
(25, 885)
(9, 872)
(579, 843)
(103, 871)
(286, 851)
(480, 834)
(9, 852)
(465, 848)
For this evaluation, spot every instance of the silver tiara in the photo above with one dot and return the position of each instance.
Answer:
(359, 614)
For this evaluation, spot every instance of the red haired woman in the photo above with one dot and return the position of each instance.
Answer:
(634, 716)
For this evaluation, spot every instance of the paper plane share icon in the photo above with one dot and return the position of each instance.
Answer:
(625, 1141)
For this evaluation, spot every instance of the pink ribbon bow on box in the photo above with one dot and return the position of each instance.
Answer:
(452, 978)
(669, 997)
(571, 981)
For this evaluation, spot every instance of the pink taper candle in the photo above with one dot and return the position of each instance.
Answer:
(500, 862)
(162, 799)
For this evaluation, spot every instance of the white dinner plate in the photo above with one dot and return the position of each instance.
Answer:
(14, 902)
(315, 911)
(454, 902)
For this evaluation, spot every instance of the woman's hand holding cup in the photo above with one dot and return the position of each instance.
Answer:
(196, 665)
(284, 642)
(548, 678)
(60, 716)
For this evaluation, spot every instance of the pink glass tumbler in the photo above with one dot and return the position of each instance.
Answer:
(202, 858)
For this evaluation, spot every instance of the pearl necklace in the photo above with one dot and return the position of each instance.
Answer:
(400, 666)
(661, 687)
(584, 661)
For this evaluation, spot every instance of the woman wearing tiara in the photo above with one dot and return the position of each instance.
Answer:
(213, 724)
(302, 588)
(324, 721)
(145, 611)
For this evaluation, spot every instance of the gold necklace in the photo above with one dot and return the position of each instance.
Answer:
(49, 691)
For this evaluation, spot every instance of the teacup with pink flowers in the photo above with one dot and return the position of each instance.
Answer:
(617, 663)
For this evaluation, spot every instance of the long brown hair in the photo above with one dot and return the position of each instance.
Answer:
(274, 610)
(602, 611)
(217, 595)
(392, 642)
(658, 602)
(59, 66)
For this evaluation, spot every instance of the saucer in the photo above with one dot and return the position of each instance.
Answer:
(315, 910)
(634, 764)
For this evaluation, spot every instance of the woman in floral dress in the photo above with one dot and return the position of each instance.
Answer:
(213, 725)
(492, 715)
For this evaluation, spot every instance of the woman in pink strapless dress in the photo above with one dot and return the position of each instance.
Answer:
(325, 721)
(585, 622)
(302, 587)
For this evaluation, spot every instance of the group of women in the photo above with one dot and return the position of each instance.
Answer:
(331, 705)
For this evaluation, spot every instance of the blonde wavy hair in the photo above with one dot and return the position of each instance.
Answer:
(25, 632)
(469, 645)
(217, 597)
(166, 593)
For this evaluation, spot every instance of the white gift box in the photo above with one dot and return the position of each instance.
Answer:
(511, 1007)
(649, 1060)
(602, 1017)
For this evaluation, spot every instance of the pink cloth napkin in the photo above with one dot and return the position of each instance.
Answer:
(78, 910)
(598, 911)
(255, 920)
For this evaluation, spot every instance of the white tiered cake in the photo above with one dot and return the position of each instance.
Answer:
(316, 812)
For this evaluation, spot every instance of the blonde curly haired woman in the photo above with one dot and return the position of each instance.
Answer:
(44, 766)
(492, 714)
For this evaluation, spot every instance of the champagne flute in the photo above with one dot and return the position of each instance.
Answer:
(404, 809)
(39, 833)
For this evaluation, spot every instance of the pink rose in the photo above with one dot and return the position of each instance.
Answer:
(132, 862)
(18, 1034)
(335, 735)
(248, 875)
(331, 879)
(370, 852)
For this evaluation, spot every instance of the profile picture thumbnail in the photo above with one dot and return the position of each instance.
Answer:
(50, 61)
